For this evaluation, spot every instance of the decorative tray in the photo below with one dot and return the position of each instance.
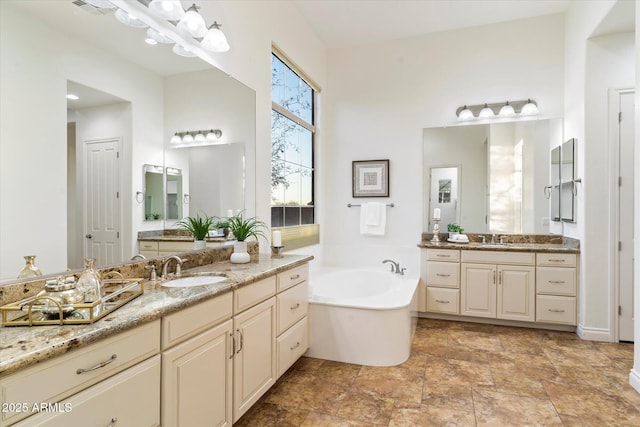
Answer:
(43, 310)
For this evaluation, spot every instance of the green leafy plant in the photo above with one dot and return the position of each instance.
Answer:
(243, 228)
(198, 226)
(454, 228)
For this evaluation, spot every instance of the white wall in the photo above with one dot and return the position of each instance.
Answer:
(382, 96)
(635, 372)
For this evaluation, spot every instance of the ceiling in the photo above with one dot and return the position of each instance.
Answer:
(343, 23)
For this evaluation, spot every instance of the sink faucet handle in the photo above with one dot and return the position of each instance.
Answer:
(152, 267)
(484, 239)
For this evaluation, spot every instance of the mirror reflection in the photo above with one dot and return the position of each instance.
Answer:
(50, 47)
(174, 193)
(490, 178)
(153, 198)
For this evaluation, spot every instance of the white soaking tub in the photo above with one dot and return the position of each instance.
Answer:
(366, 317)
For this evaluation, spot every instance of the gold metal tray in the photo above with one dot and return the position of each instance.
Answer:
(43, 310)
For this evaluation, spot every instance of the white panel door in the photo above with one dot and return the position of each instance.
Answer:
(102, 202)
(444, 195)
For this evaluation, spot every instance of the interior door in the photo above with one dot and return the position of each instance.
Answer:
(102, 201)
(626, 215)
(443, 194)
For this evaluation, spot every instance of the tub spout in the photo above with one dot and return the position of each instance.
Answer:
(395, 267)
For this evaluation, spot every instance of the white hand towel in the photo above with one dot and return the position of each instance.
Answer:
(373, 219)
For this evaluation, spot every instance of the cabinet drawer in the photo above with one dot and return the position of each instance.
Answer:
(446, 274)
(292, 306)
(174, 247)
(58, 378)
(179, 326)
(131, 398)
(291, 345)
(555, 309)
(499, 257)
(441, 300)
(293, 277)
(557, 260)
(556, 281)
(148, 246)
(443, 255)
(252, 294)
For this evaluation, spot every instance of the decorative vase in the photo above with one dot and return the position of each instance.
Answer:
(30, 269)
(199, 244)
(90, 283)
(240, 254)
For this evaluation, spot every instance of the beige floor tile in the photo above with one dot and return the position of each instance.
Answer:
(503, 409)
(267, 414)
(395, 382)
(366, 407)
(427, 416)
(315, 419)
(457, 372)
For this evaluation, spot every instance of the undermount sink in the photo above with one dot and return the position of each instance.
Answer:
(187, 282)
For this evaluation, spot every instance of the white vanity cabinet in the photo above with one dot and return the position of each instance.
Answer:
(443, 281)
(556, 288)
(91, 385)
(498, 285)
(154, 248)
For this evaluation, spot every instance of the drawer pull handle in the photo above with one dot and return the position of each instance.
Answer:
(233, 346)
(557, 282)
(241, 344)
(113, 422)
(295, 346)
(441, 301)
(443, 275)
(98, 366)
(556, 260)
(556, 310)
(443, 256)
(294, 277)
(293, 307)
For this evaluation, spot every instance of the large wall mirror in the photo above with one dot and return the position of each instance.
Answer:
(490, 178)
(133, 97)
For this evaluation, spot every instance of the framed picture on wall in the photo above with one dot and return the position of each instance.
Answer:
(370, 178)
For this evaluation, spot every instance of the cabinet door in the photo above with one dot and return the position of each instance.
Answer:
(516, 292)
(130, 398)
(478, 290)
(254, 364)
(197, 380)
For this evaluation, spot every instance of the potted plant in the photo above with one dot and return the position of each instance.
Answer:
(199, 227)
(242, 229)
(454, 229)
(222, 225)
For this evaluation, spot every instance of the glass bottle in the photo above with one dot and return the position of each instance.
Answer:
(89, 282)
(30, 269)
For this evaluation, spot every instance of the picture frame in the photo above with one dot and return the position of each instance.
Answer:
(370, 178)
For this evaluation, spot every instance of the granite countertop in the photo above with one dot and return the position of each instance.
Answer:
(22, 346)
(517, 243)
(174, 236)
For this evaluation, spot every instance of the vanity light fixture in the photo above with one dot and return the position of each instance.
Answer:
(128, 19)
(156, 35)
(192, 23)
(508, 109)
(215, 40)
(171, 10)
(196, 136)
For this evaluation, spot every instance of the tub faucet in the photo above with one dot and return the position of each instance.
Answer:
(395, 267)
(166, 262)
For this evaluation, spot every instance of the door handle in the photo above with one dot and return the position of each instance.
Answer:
(88, 236)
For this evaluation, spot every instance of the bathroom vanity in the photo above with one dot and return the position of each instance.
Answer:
(532, 279)
(222, 346)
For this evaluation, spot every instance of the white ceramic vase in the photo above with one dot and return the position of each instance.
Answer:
(199, 244)
(240, 254)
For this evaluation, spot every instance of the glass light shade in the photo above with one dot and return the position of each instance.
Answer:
(199, 137)
(151, 41)
(187, 138)
(103, 4)
(170, 10)
(466, 114)
(506, 111)
(486, 112)
(215, 40)
(529, 109)
(213, 135)
(175, 139)
(192, 23)
(158, 36)
(129, 20)
(182, 51)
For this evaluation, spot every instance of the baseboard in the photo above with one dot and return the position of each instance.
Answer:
(634, 379)
(594, 334)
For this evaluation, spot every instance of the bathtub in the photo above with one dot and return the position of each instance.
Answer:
(365, 317)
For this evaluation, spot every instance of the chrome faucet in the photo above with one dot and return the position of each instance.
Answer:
(493, 239)
(395, 267)
(165, 264)
(137, 256)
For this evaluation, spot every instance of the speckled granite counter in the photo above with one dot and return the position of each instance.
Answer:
(174, 236)
(518, 243)
(23, 346)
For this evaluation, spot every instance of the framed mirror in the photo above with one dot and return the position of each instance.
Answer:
(174, 195)
(153, 192)
(567, 181)
(553, 192)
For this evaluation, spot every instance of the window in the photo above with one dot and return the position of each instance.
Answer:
(292, 146)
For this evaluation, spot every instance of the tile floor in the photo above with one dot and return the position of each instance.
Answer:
(463, 374)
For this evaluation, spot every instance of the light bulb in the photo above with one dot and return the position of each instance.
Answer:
(213, 135)
(215, 40)
(175, 139)
(199, 137)
(466, 114)
(529, 109)
(192, 23)
(506, 111)
(486, 112)
(170, 10)
(187, 138)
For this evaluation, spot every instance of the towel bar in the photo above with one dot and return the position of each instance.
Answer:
(391, 205)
